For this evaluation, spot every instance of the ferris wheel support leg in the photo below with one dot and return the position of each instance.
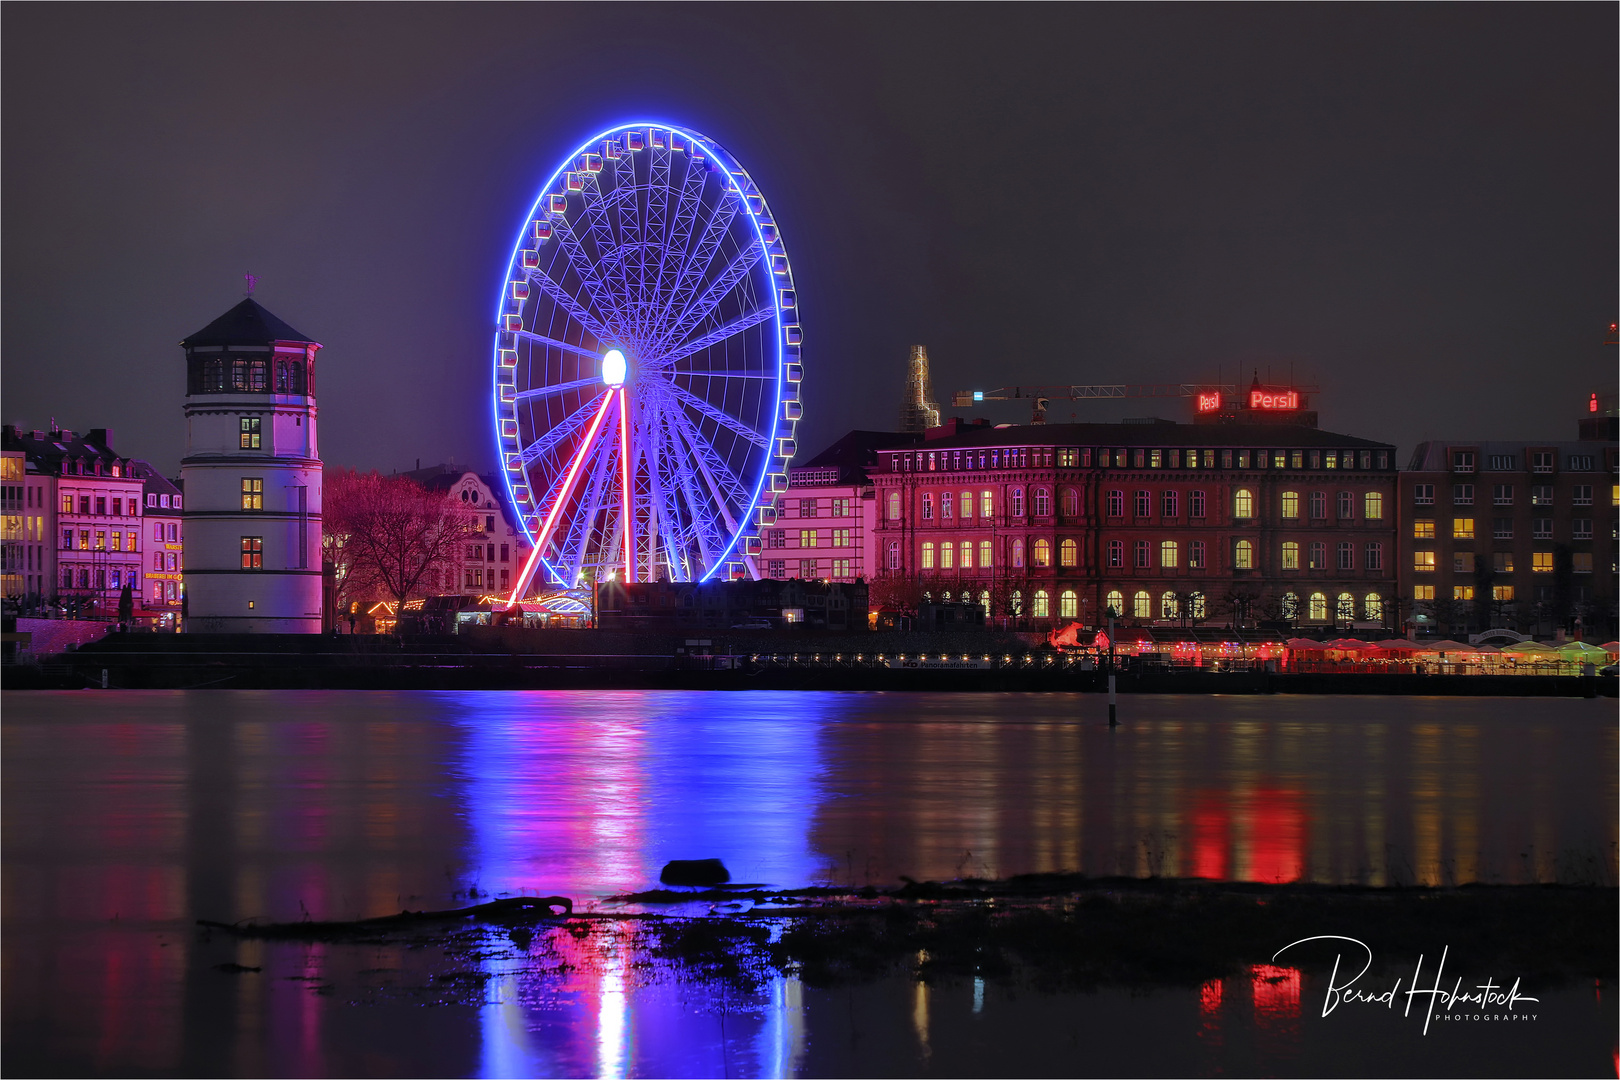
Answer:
(527, 574)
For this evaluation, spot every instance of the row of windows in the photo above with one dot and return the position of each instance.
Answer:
(1502, 494)
(1071, 457)
(809, 538)
(486, 552)
(837, 507)
(1541, 461)
(946, 555)
(99, 577)
(1463, 562)
(253, 375)
(168, 560)
(99, 502)
(478, 578)
(1243, 504)
(1501, 528)
(100, 540)
(1171, 605)
(161, 502)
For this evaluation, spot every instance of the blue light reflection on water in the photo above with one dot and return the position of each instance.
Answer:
(590, 795)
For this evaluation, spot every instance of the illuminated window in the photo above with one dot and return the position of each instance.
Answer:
(967, 506)
(1332, 460)
(1347, 505)
(1580, 495)
(1071, 503)
(1196, 554)
(967, 555)
(1462, 494)
(1423, 494)
(1290, 505)
(1144, 504)
(1462, 528)
(1290, 606)
(1423, 528)
(1116, 553)
(1042, 607)
(893, 556)
(1347, 555)
(1345, 607)
(1171, 504)
(1372, 506)
(252, 553)
(1541, 562)
(1373, 607)
(1581, 562)
(1243, 555)
(1423, 592)
(250, 433)
(1068, 553)
(1169, 554)
(1318, 505)
(927, 506)
(947, 556)
(1462, 592)
(67, 504)
(1043, 503)
(1015, 602)
(1290, 555)
(101, 540)
(1501, 592)
(1375, 556)
(1155, 459)
(986, 504)
(1243, 503)
(1116, 602)
(1318, 607)
(252, 493)
(1168, 606)
(1502, 562)
(1144, 554)
(1017, 502)
(928, 555)
(1142, 606)
(1243, 459)
(117, 540)
(1580, 528)
(1041, 552)
(1068, 604)
(1614, 495)
(894, 506)
(257, 377)
(1018, 553)
(1423, 562)
(985, 551)
(1195, 504)
(809, 538)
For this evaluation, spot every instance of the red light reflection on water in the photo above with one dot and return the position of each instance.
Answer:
(1278, 832)
(1261, 838)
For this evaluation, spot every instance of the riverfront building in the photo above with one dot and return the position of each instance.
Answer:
(252, 477)
(1162, 523)
(494, 547)
(826, 521)
(164, 561)
(1512, 534)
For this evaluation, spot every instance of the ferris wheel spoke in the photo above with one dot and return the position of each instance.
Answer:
(725, 420)
(559, 388)
(697, 261)
(703, 453)
(658, 449)
(718, 290)
(717, 335)
(676, 252)
(575, 309)
(722, 505)
(685, 523)
(601, 296)
(562, 430)
(551, 342)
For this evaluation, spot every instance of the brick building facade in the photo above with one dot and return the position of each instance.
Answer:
(1162, 522)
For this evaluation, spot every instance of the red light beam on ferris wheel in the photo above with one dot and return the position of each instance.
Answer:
(624, 490)
(563, 495)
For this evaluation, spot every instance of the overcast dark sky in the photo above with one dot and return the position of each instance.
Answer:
(1414, 206)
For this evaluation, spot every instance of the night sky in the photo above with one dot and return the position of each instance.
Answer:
(1414, 206)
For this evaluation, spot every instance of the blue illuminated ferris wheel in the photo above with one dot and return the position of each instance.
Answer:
(646, 363)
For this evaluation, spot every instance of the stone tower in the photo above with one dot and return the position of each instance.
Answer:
(918, 412)
(252, 477)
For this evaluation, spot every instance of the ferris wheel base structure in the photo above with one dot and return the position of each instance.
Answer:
(647, 360)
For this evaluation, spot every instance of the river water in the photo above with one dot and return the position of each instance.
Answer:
(128, 815)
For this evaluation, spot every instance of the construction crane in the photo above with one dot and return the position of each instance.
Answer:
(1212, 397)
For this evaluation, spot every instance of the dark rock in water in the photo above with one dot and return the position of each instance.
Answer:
(694, 872)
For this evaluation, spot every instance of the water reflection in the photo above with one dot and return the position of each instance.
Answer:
(128, 815)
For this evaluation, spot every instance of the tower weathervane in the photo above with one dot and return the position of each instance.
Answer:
(252, 281)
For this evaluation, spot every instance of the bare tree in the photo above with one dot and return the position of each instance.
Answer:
(387, 534)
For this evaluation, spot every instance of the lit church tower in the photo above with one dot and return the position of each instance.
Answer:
(252, 477)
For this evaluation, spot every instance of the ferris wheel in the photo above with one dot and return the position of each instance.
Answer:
(646, 364)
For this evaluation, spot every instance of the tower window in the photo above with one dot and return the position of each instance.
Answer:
(250, 433)
(252, 493)
(214, 375)
(252, 552)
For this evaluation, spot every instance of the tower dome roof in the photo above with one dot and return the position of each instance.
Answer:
(248, 323)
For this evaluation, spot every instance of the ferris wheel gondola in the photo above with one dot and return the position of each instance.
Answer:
(647, 363)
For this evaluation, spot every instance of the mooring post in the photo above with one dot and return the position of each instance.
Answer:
(104, 678)
(1113, 703)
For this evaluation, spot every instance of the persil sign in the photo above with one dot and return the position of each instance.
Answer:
(1287, 399)
(1209, 402)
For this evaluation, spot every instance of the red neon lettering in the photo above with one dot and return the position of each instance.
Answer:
(1591, 406)
(1209, 402)
(1259, 399)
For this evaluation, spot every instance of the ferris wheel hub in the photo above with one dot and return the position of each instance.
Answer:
(614, 367)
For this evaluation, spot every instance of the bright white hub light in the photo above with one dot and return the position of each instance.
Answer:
(613, 367)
